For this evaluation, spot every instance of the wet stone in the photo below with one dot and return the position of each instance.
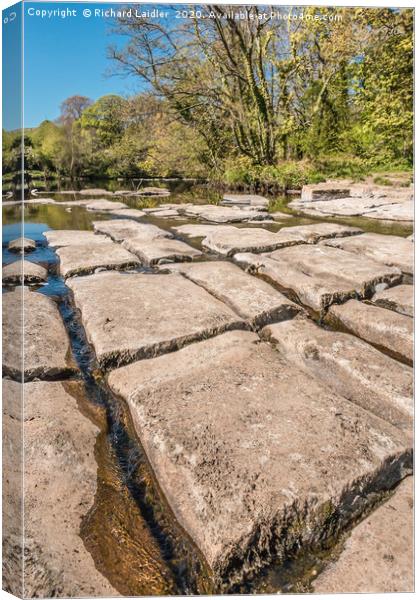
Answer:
(253, 456)
(68, 237)
(319, 275)
(378, 557)
(122, 229)
(83, 259)
(388, 249)
(152, 252)
(22, 245)
(252, 299)
(60, 485)
(46, 343)
(349, 367)
(24, 272)
(105, 205)
(385, 329)
(399, 298)
(134, 316)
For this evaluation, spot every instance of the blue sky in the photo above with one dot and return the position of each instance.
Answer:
(67, 56)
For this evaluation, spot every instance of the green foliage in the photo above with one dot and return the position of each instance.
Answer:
(257, 103)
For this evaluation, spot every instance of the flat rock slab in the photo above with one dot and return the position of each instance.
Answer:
(403, 211)
(22, 245)
(385, 329)
(245, 200)
(193, 231)
(60, 238)
(60, 485)
(46, 343)
(315, 232)
(82, 259)
(378, 557)
(399, 298)
(128, 213)
(93, 192)
(350, 367)
(251, 298)
(153, 191)
(280, 216)
(122, 229)
(105, 205)
(388, 249)
(253, 456)
(24, 272)
(129, 317)
(319, 275)
(324, 191)
(228, 242)
(165, 213)
(233, 240)
(224, 214)
(160, 250)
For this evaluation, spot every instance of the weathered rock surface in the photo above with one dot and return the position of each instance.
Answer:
(24, 272)
(378, 557)
(319, 275)
(254, 457)
(403, 211)
(128, 213)
(388, 249)
(60, 484)
(82, 259)
(165, 213)
(393, 208)
(22, 245)
(129, 317)
(324, 191)
(193, 231)
(245, 200)
(280, 216)
(252, 299)
(152, 252)
(122, 229)
(46, 343)
(93, 192)
(399, 298)
(381, 327)
(153, 191)
(223, 214)
(105, 205)
(229, 241)
(350, 367)
(60, 238)
(411, 237)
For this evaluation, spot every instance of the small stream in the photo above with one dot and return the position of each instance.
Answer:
(130, 531)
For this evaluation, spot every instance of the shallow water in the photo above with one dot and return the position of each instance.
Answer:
(130, 531)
